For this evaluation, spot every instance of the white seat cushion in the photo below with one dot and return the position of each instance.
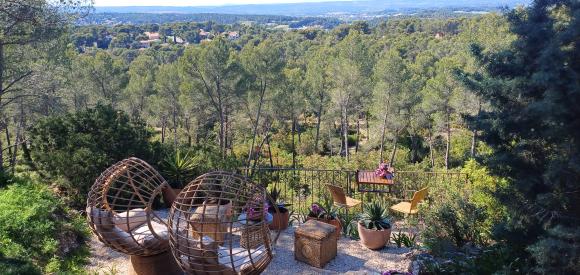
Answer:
(146, 238)
(102, 219)
(131, 219)
(240, 257)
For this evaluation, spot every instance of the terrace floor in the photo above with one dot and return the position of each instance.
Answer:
(352, 258)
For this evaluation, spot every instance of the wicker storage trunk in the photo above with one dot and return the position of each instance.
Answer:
(314, 243)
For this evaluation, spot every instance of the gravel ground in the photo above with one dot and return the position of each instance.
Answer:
(104, 260)
(352, 258)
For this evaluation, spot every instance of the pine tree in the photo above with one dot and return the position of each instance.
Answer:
(534, 128)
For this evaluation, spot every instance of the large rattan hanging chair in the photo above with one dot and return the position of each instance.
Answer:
(120, 208)
(219, 225)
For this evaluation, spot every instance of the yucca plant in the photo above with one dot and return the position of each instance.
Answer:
(375, 216)
(179, 167)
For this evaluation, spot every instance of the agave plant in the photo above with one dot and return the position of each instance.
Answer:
(375, 216)
(274, 198)
(179, 167)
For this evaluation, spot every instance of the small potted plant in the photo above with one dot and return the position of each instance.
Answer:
(374, 227)
(256, 209)
(385, 170)
(280, 217)
(179, 168)
(319, 213)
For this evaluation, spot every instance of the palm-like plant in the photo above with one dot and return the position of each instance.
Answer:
(375, 216)
(179, 167)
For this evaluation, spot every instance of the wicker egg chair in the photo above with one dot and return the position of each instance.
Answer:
(120, 213)
(219, 225)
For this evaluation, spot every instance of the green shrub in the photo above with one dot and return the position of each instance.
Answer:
(463, 213)
(74, 149)
(38, 231)
(179, 168)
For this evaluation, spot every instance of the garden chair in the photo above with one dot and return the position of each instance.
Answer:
(340, 198)
(409, 207)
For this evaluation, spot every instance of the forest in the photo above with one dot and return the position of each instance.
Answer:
(494, 95)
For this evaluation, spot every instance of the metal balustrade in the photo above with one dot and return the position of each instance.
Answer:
(301, 187)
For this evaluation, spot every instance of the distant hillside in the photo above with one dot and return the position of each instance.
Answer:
(324, 8)
(160, 18)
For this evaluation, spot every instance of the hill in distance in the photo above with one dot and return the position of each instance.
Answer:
(324, 8)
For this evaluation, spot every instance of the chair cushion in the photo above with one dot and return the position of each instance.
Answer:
(131, 219)
(404, 207)
(202, 259)
(350, 202)
(316, 230)
(240, 256)
(102, 219)
(120, 239)
(146, 238)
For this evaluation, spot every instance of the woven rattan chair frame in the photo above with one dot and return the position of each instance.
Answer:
(129, 185)
(206, 228)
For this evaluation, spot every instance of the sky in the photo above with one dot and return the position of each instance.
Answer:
(110, 3)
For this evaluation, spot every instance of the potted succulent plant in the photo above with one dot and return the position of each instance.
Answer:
(179, 168)
(374, 227)
(280, 217)
(319, 213)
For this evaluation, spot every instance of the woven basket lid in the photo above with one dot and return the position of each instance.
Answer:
(315, 229)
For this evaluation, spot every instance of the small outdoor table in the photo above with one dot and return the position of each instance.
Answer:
(366, 179)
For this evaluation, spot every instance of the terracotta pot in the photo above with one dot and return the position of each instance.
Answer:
(169, 196)
(280, 220)
(373, 239)
(334, 222)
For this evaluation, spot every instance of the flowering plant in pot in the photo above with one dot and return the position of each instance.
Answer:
(256, 209)
(319, 213)
(282, 216)
(374, 227)
(385, 170)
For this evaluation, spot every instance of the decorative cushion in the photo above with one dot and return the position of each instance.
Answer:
(240, 256)
(119, 239)
(315, 229)
(207, 255)
(146, 238)
(100, 218)
(131, 219)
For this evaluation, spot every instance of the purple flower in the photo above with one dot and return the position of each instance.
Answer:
(315, 208)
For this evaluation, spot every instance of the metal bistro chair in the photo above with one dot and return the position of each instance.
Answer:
(409, 207)
(341, 199)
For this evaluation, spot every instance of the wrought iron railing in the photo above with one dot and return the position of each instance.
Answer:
(301, 187)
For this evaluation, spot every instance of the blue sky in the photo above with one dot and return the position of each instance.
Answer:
(105, 3)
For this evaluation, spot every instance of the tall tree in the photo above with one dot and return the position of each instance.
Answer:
(215, 72)
(441, 96)
(167, 84)
(264, 62)
(346, 89)
(318, 79)
(23, 23)
(534, 128)
(102, 74)
(390, 75)
(141, 83)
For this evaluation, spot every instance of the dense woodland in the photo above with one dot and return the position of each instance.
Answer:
(494, 95)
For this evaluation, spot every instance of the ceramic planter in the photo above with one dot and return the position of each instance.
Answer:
(373, 239)
(280, 220)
